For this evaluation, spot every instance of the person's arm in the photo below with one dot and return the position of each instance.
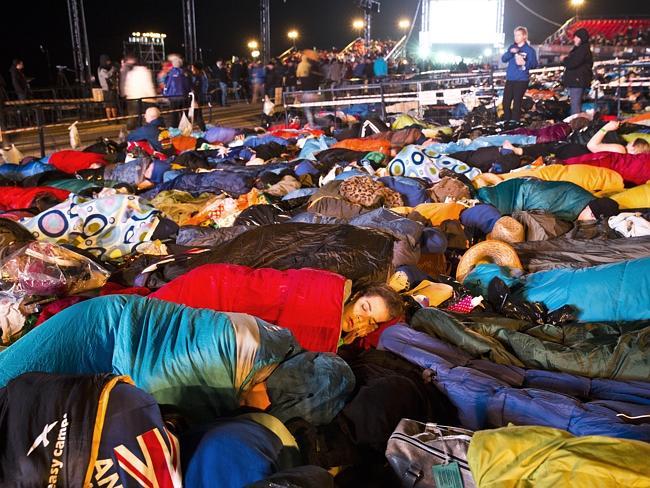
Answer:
(596, 143)
(531, 59)
(508, 55)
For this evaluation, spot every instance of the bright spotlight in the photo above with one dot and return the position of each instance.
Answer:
(404, 24)
(577, 3)
(487, 52)
(424, 51)
(255, 54)
(358, 24)
(253, 45)
(292, 34)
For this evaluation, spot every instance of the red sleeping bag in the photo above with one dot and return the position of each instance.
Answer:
(17, 198)
(70, 161)
(634, 168)
(308, 302)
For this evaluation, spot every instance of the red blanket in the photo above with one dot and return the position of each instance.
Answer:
(309, 302)
(634, 168)
(70, 161)
(17, 198)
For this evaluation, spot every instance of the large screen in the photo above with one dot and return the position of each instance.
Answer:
(462, 22)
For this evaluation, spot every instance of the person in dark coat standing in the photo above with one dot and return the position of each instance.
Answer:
(19, 80)
(578, 69)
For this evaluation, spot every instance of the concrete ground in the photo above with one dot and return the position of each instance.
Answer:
(58, 138)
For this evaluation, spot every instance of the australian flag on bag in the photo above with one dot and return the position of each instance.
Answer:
(84, 431)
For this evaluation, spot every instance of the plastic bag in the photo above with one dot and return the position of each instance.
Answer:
(12, 317)
(185, 126)
(12, 155)
(193, 105)
(268, 107)
(75, 141)
(46, 269)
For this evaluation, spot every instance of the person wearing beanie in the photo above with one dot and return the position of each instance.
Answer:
(599, 208)
(578, 71)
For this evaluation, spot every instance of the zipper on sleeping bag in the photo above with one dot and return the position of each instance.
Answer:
(429, 449)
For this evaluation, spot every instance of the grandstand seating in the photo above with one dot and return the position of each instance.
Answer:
(609, 28)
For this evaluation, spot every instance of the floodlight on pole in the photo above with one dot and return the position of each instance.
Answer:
(404, 24)
(577, 4)
(293, 35)
(358, 25)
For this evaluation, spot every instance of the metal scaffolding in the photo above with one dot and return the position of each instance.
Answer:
(369, 7)
(265, 30)
(189, 31)
(80, 51)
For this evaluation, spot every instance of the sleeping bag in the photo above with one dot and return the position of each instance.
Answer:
(361, 255)
(202, 362)
(608, 293)
(562, 199)
(634, 168)
(548, 458)
(84, 430)
(308, 302)
(43, 197)
(70, 161)
(108, 227)
(488, 394)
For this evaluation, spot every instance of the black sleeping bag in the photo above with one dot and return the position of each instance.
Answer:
(362, 255)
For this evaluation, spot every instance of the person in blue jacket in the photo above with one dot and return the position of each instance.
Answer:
(521, 58)
(178, 84)
(150, 130)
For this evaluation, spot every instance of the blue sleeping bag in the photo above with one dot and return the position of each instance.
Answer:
(199, 360)
(490, 395)
(479, 142)
(19, 172)
(234, 183)
(618, 292)
(563, 199)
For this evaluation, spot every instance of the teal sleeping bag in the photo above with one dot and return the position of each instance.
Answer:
(563, 199)
(198, 360)
(618, 292)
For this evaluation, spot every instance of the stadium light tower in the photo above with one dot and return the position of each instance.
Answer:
(577, 4)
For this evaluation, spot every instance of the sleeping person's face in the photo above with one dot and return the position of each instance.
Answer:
(364, 314)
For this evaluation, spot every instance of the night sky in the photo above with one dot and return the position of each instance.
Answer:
(224, 27)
